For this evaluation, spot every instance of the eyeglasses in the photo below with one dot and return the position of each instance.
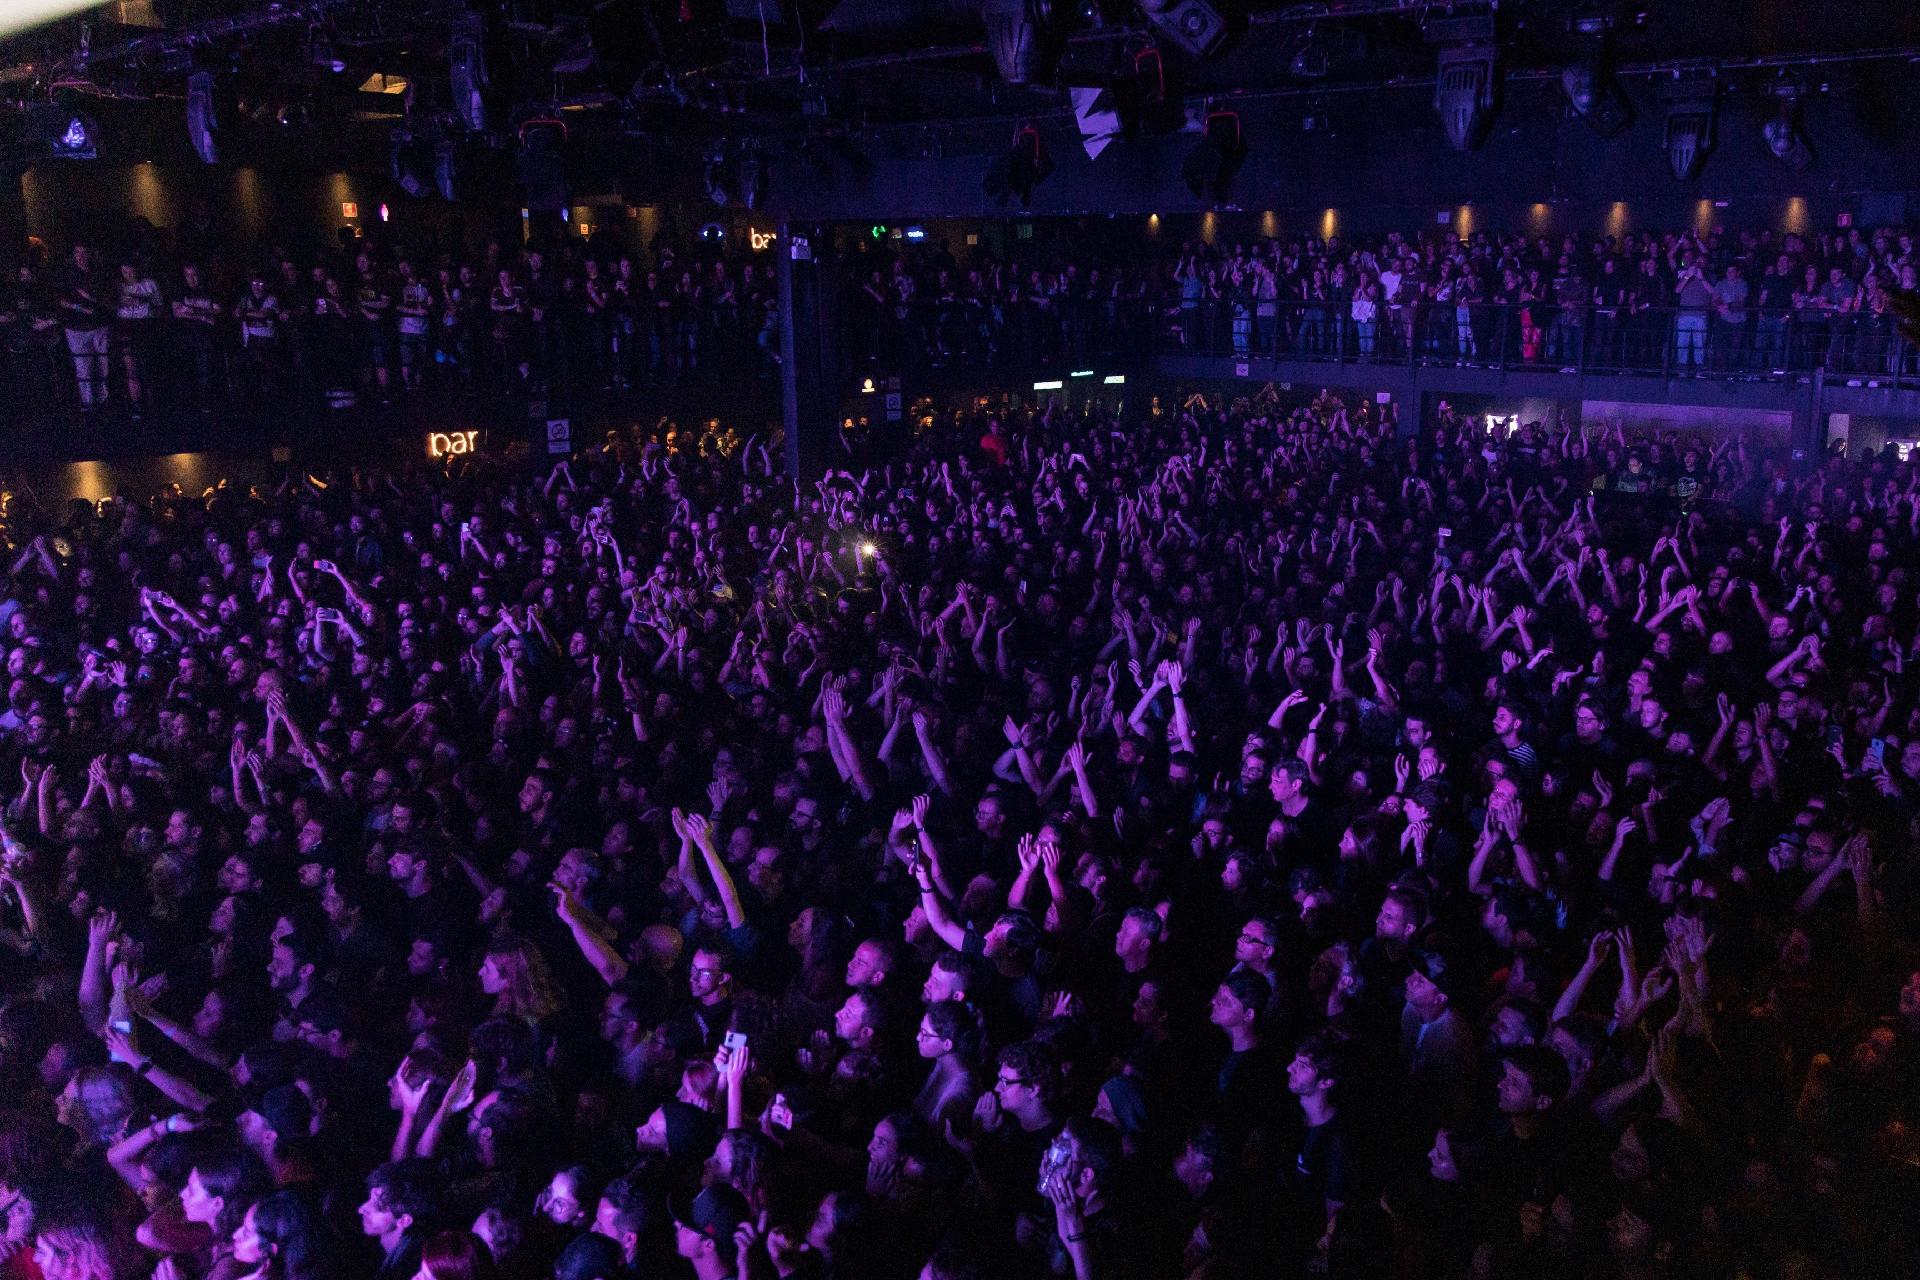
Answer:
(1011, 1082)
(1256, 940)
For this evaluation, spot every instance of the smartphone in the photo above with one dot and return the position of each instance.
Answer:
(734, 1041)
(123, 1025)
(1877, 754)
(1833, 735)
(1445, 533)
(780, 1113)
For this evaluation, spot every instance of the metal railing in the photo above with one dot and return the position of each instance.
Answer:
(1662, 342)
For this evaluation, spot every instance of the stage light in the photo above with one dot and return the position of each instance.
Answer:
(1210, 167)
(467, 71)
(1783, 134)
(1692, 114)
(1195, 25)
(1464, 94)
(1596, 97)
(70, 134)
(1025, 166)
(1312, 59)
(202, 124)
(410, 162)
(1025, 37)
(445, 172)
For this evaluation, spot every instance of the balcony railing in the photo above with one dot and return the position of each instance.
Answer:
(1656, 342)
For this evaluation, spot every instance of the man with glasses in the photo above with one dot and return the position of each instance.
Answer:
(701, 1024)
(1013, 1124)
(1255, 950)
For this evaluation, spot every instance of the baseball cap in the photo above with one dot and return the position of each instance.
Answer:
(285, 1109)
(691, 1132)
(1439, 970)
(716, 1213)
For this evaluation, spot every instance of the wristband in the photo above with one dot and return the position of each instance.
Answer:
(144, 1067)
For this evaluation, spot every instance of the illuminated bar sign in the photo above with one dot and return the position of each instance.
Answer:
(451, 444)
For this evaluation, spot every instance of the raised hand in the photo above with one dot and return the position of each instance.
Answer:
(460, 1092)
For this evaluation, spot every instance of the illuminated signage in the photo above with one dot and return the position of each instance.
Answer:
(451, 444)
(760, 240)
(349, 209)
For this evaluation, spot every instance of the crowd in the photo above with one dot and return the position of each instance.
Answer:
(1233, 842)
(379, 320)
(1717, 302)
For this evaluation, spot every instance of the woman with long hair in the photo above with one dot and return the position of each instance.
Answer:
(77, 1249)
(515, 974)
(219, 1190)
(280, 1238)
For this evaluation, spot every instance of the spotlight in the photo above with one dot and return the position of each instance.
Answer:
(201, 122)
(1312, 59)
(444, 171)
(1211, 165)
(1025, 166)
(1596, 97)
(1591, 89)
(1194, 25)
(411, 161)
(1025, 37)
(1464, 94)
(718, 179)
(69, 134)
(1782, 134)
(467, 71)
(1692, 111)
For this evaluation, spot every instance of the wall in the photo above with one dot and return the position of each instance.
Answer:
(1769, 429)
(1386, 164)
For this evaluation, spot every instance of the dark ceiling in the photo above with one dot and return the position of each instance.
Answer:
(691, 73)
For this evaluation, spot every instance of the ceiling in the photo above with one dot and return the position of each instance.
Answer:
(703, 73)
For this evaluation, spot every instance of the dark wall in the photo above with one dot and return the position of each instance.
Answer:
(1386, 163)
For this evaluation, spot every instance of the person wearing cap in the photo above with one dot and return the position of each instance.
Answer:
(704, 1230)
(1436, 1042)
(276, 1126)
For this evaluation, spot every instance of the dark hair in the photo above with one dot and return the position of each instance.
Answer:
(591, 1257)
(410, 1187)
(630, 1202)
(510, 1046)
(1544, 1069)
(1249, 988)
(1100, 1148)
(1411, 901)
(237, 1178)
(1327, 1054)
(957, 1021)
(1032, 1062)
(299, 1241)
(457, 1255)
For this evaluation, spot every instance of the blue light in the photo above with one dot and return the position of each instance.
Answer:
(916, 233)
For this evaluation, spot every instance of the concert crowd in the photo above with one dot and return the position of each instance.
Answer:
(1233, 840)
(138, 326)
